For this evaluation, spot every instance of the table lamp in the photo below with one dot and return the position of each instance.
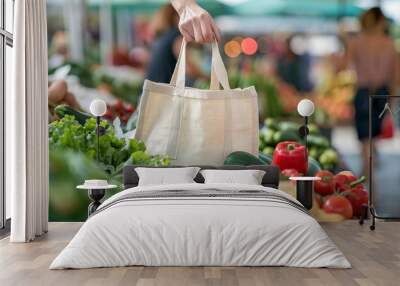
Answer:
(305, 108)
(98, 108)
(304, 184)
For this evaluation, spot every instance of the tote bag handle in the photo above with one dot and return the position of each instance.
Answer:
(218, 71)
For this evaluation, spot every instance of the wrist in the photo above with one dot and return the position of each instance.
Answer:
(181, 5)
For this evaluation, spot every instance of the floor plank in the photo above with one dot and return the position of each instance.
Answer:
(375, 257)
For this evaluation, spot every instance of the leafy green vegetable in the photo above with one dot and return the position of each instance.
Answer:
(68, 169)
(114, 152)
(135, 146)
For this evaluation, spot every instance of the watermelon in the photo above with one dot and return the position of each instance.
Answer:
(81, 117)
(242, 158)
(266, 158)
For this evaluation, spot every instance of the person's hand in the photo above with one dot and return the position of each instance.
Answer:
(196, 24)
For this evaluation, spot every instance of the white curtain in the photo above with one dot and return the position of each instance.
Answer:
(26, 120)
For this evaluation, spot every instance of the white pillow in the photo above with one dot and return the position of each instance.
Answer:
(248, 177)
(166, 176)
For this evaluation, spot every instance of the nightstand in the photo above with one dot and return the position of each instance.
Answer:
(96, 190)
(305, 190)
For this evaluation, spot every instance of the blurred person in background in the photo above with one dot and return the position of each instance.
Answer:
(293, 68)
(58, 49)
(372, 54)
(182, 17)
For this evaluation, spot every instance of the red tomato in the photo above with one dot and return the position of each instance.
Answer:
(343, 182)
(340, 182)
(326, 185)
(109, 113)
(338, 205)
(124, 118)
(118, 105)
(358, 196)
(129, 108)
(351, 178)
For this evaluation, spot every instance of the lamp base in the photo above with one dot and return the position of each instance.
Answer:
(95, 196)
(305, 191)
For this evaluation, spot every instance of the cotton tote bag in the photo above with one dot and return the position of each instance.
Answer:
(194, 126)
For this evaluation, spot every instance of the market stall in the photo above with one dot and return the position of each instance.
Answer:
(288, 50)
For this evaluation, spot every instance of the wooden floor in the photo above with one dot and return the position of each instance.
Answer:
(375, 257)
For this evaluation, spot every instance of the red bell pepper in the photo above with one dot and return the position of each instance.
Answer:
(291, 155)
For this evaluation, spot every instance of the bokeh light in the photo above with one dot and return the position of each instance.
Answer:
(232, 49)
(249, 46)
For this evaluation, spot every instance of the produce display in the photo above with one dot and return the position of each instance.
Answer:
(127, 91)
(334, 97)
(73, 150)
(278, 99)
(114, 151)
(289, 96)
(337, 197)
(90, 76)
(319, 148)
(336, 94)
(120, 110)
(341, 194)
(73, 143)
(242, 158)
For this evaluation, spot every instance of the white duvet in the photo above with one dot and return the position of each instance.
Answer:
(200, 231)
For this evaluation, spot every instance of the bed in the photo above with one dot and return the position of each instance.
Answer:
(199, 224)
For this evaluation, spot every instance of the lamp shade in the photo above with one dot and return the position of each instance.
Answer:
(305, 107)
(98, 107)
